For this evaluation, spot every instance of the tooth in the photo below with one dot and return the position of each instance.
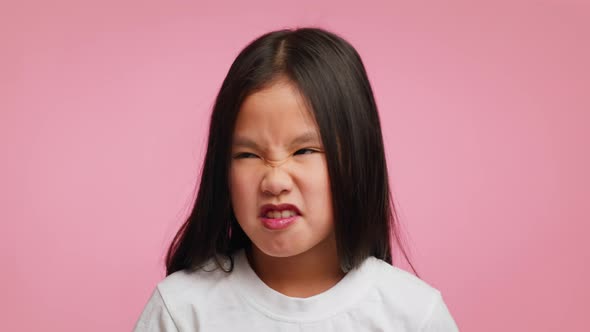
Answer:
(276, 214)
(286, 214)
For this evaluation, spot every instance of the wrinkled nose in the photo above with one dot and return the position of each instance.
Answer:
(275, 163)
(276, 181)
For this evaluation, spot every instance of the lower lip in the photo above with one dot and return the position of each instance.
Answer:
(278, 223)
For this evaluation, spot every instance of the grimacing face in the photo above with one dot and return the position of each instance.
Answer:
(277, 158)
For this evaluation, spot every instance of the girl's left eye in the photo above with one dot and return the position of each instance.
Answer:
(304, 151)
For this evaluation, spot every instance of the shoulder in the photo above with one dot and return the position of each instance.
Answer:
(394, 280)
(179, 301)
(192, 286)
(411, 299)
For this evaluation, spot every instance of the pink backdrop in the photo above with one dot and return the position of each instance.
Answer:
(104, 109)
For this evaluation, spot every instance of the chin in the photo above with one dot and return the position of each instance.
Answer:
(279, 250)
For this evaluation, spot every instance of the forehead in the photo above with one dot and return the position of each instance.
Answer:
(278, 112)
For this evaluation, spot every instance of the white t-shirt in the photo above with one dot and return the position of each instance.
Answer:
(374, 297)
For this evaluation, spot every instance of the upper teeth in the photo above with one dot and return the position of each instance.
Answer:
(280, 214)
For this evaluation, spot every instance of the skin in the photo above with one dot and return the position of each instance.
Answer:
(301, 260)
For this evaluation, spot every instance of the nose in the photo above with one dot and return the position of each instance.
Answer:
(276, 181)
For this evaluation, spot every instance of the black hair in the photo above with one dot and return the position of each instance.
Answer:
(329, 74)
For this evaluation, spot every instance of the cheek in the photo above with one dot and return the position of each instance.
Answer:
(316, 191)
(236, 183)
(244, 194)
(242, 191)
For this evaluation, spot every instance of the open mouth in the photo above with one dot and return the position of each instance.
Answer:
(276, 217)
(279, 211)
(273, 214)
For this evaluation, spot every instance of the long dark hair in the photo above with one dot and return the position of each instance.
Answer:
(330, 75)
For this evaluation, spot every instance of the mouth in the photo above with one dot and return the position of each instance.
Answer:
(271, 211)
(279, 223)
(277, 217)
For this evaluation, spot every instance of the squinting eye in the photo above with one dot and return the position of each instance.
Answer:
(245, 155)
(304, 151)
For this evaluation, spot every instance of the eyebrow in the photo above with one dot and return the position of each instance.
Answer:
(308, 137)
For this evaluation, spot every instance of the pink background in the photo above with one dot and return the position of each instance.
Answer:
(485, 109)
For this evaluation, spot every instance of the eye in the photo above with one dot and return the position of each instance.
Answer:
(304, 151)
(245, 155)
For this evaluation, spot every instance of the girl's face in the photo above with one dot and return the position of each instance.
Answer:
(278, 159)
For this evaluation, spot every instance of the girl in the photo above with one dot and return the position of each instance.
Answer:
(293, 221)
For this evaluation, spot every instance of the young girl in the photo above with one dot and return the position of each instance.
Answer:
(293, 221)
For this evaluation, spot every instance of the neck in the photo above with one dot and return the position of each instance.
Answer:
(303, 275)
